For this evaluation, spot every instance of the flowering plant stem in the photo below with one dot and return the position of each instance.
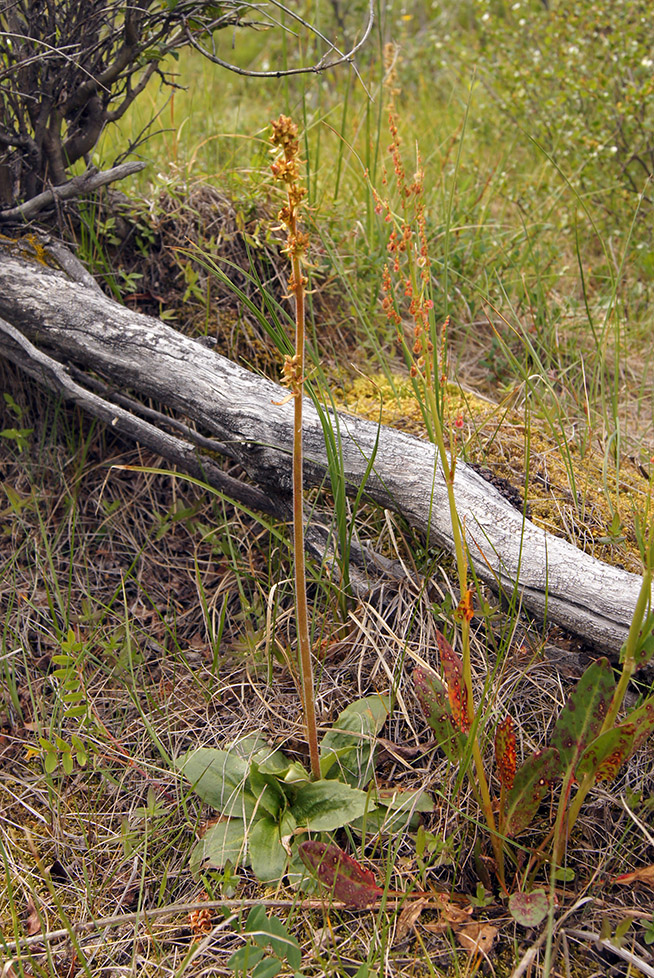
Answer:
(408, 250)
(448, 465)
(285, 168)
(306, 665)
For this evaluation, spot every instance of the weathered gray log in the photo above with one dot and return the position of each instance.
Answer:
(78, 325)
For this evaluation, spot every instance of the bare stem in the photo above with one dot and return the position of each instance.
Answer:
(304, 644)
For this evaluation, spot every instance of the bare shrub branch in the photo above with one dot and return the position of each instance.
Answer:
(68, 69)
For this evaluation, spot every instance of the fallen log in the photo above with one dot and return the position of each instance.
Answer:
(245, 418)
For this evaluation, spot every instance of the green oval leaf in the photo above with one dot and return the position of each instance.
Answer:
(267, 855)
(268, 968)
(267, 788)
(350, 740)
(255, 748)
(220, 778)
(223, 842)
(327, 805)
(246, 957)
(395, 812)
(266, 930)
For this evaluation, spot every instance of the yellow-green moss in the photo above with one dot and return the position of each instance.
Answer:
(581, 497)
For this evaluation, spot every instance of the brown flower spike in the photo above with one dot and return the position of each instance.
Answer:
(286, 169)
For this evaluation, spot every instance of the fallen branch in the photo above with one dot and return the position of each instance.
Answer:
(91, 179)
(73, 323)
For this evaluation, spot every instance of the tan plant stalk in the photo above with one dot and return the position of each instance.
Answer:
(286, 169)
(409, 264)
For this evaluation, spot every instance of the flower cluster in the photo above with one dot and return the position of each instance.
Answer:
(286, 170)
(406, 278)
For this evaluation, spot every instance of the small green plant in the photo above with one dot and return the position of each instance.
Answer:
(482, 897)
(268, 948)
(407, 286)
(20, 436)
(67, 676)
(588, 744)
(268, 801)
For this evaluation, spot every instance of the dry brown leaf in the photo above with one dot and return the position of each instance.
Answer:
(408, 917)
(440, 927)
(451, 916)
(476, 937)
(643, 875)
(33, 922)
(455, 916)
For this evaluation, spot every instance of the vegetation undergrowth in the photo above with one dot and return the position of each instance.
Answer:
(267, 801)
(142, 617)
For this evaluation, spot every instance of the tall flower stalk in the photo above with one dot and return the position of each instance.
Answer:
(407, 279)
(285, 169)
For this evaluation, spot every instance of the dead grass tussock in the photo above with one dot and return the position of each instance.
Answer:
(161, 251)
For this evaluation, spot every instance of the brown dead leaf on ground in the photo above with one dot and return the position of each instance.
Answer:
(450, 916)
(408, 918)
(476, 937)
(643, 875)
(33, 922)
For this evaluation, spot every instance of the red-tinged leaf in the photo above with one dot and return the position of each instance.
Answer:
(342, 874)
(643, 875)
(530, 786)
(605, 755)
(643, 718)
(505, 752)
(435, 704)
(456, 688)
(581, 719)
(465, 609)
(529, 909)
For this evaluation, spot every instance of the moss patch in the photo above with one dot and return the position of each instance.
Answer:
(572, 490)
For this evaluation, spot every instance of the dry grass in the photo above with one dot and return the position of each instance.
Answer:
(141, 568)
